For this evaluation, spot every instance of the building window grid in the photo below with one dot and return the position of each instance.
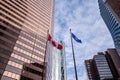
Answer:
(9, 33)
(21, 3)
(28, 53)
(43, 10)
(13, 28)
(17, 23)
(22, 44)
(20, 58)
(11, 9)
(36, 19)
(11, 74)
(14, 64)
(10, 13)
(43, 14)
(16, 7)
(35, 26)
(13, 20)
(39, 52)
(43, 5)
(40, 41)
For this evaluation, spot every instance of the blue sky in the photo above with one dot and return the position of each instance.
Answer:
(83, 17)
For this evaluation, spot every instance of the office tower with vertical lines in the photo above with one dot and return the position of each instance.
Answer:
(90, 69)
(98, 68)
(104, 66)
(114, 62)
(24, 25)
(110, 12)
(59, 63)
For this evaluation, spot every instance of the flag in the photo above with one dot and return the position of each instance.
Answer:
(54, 44)
(59, 46)
(49, 37)
(75, 38)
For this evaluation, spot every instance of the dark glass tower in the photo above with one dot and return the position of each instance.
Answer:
(114, 62)
(23, 34)
(104, 66)
(90, 68)
(110, 12)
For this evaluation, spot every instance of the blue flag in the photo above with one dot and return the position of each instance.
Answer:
(75, 38)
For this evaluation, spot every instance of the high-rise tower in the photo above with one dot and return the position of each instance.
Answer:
(59, 63)
(110, 12)
(104, 66)
(23, 34)
(98, 68)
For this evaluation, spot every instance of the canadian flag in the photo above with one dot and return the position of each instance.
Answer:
(57, 45)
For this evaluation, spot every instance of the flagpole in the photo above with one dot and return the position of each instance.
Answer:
(45, 55)
(74, 57)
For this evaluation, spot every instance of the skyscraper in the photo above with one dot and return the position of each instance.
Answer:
(114, 62)
(110, 13)
(23, 34)
(59, 63)
(98, 68)
(104, 66)
(90, 68)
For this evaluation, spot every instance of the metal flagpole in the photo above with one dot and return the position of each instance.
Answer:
(73, 57)
(45, 56)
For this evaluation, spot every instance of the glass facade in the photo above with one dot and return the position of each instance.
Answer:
(58, 63)
(114, 62)
(23, 34)
(103, 68)
(98, 68)
(90, 68)
(110, 13)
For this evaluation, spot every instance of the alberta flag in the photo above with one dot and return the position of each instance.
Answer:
(75, 38)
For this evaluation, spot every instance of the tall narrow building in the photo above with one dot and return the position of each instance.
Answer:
(90, 68)
(59, 63)
(114, 62)
(102, 67)
(110, 12)
(24, 25)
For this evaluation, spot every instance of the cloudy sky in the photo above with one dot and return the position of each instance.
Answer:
(83, 17)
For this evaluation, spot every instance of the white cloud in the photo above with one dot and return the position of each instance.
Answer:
(83, 17)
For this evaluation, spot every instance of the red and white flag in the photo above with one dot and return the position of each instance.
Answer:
(55, 44)
(59, 46)
(49, 37)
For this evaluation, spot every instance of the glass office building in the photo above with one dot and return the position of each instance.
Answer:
(98, 68)
(90, 68)
(110, 13)
(23, 34)
(102, 67)
(58, 63)
(114, 62)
